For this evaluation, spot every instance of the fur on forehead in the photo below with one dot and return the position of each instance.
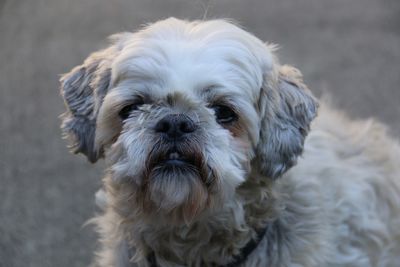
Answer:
(180, 55)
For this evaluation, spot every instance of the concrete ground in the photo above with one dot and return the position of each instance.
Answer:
(350, 49)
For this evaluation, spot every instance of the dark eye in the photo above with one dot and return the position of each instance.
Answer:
(224, 114)
(126, 111)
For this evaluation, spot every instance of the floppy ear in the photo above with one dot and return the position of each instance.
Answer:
(83, 90)
(287, 109)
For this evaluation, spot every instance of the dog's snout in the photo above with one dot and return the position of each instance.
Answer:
(175, 125)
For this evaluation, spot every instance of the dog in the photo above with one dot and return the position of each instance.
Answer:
(216, 156)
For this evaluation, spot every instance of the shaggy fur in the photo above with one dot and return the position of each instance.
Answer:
(338, 204)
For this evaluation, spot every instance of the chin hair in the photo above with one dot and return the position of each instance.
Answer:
(177, 192)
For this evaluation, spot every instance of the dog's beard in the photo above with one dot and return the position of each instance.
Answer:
(177, 182)
(176, 192)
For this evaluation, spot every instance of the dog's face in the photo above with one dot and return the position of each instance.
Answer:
(184, 111)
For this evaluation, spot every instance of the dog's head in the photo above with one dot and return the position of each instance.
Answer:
(184, 111)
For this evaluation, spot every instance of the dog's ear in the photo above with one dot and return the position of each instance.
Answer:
(287, 108)
(83, 90)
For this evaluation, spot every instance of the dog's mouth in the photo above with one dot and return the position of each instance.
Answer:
(175, 158)
(178, 161)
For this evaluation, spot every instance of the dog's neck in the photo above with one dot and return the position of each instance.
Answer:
(215, 239)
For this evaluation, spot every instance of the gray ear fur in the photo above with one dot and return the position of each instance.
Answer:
(83, 90)
(287, 108)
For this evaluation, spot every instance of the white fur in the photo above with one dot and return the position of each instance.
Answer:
(339, 206)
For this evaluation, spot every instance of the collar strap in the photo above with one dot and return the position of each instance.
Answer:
(237, 260)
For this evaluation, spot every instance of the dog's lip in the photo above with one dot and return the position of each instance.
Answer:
(176, 158)
(176, 162)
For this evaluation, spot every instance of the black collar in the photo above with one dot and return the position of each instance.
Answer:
(237, 260)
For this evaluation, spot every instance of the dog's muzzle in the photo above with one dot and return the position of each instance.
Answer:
(177, 146)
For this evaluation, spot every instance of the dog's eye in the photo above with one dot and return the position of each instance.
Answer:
(224, 114)
(126, 111)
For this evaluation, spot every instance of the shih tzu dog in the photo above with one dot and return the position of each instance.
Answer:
(213, 161)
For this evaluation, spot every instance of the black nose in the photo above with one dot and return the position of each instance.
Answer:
(175, 125)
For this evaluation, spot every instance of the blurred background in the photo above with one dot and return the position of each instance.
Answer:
(350, 49)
